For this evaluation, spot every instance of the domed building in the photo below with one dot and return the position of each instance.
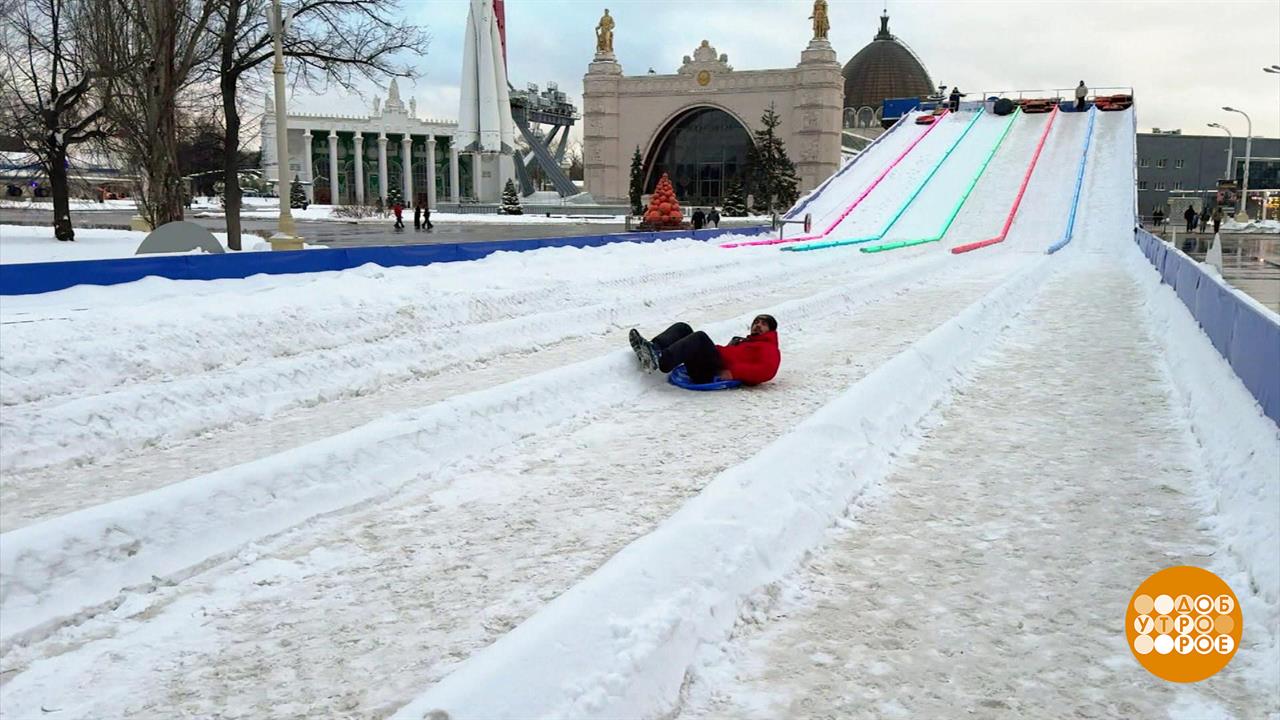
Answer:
(885, 68)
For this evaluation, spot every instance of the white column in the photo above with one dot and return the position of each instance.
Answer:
(406, 164)
(306, 165)
(382, 168)
(431, 171)
(453, 172)
(359, 165)
(475, 176)
(333, 167)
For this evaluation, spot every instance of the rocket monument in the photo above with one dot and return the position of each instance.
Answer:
(485, 127)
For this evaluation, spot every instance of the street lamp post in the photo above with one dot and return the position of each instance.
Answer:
(1243, 215)
(286, 238)
(1230, 158)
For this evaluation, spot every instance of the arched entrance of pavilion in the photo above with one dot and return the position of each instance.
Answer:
(702, 149)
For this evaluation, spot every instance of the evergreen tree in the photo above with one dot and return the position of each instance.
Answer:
(735, 200)
(297, 196)
(510, 200)
(770, 172)
(394, 196)
(637, 182)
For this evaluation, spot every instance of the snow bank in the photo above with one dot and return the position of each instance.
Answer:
(619, 642)
(1253, 226)
(1239, 445)
(30, 244)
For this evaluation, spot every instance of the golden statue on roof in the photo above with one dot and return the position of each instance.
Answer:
(604, 34)
(821, 25)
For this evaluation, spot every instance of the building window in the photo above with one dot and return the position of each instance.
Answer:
(1142, 184)
(1178, 164)
(1143, 163)
(1161, 163)
(1177, 186)
(1160, 186)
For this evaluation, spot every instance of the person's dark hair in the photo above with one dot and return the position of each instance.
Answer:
(768, 320)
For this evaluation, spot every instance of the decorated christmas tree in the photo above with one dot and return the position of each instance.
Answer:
(735, 200)
(394, 197)
(664, 208)
(297, 196)
(510, 200)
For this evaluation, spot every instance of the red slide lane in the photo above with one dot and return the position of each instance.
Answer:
(1008, 221)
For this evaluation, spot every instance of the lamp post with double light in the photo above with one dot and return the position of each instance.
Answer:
(1243, 215)
(1230, 158)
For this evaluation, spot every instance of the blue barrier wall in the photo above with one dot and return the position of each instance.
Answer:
(1249, 338)
(31, 278)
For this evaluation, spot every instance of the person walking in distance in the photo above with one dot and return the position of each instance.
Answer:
(1190, 217)
(1082, 92)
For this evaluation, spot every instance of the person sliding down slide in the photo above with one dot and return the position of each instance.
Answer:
(751, 360)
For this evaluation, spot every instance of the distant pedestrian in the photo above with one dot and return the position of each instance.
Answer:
(715, 217)
(699, 219)
(1190, 217)
(1158, 217)
(1081, 93)
(1217, 218)
(955, 99)
(417, 217)
(398, 209)
(426, 211)
(1204, 221)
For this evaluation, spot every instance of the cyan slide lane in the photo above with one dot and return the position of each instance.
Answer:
(856, 201)
(898, 215)
(973, 182)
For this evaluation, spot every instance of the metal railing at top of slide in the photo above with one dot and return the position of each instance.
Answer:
(1063, 93)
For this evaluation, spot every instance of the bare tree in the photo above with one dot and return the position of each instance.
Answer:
(330, 42)
(152, 48)
(52, 98)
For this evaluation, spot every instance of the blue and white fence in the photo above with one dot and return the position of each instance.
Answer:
(1246, 335)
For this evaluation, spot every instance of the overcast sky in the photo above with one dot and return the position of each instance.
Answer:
(1184, 59)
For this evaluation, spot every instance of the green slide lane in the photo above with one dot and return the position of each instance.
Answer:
(898, 215)
(960, 203)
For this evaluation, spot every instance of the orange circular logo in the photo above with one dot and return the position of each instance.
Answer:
(1183, 624)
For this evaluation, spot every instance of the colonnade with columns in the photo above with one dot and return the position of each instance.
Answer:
(404, 153)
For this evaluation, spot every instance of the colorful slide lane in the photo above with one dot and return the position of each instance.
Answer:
(1075, 196)
(1043, 211)
(911, 198)
(810, 201)
(833, 205)
(941, 194)
(1017, 200)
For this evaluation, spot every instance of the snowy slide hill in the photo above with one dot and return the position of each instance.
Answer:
(386, 492)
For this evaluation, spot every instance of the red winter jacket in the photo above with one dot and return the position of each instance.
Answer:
(754, 360)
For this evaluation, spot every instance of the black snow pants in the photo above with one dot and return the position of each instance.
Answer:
(680, 345)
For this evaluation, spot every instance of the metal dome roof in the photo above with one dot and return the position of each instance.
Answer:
(885, 68)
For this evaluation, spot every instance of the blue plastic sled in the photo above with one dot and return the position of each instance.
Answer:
(680, 378)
